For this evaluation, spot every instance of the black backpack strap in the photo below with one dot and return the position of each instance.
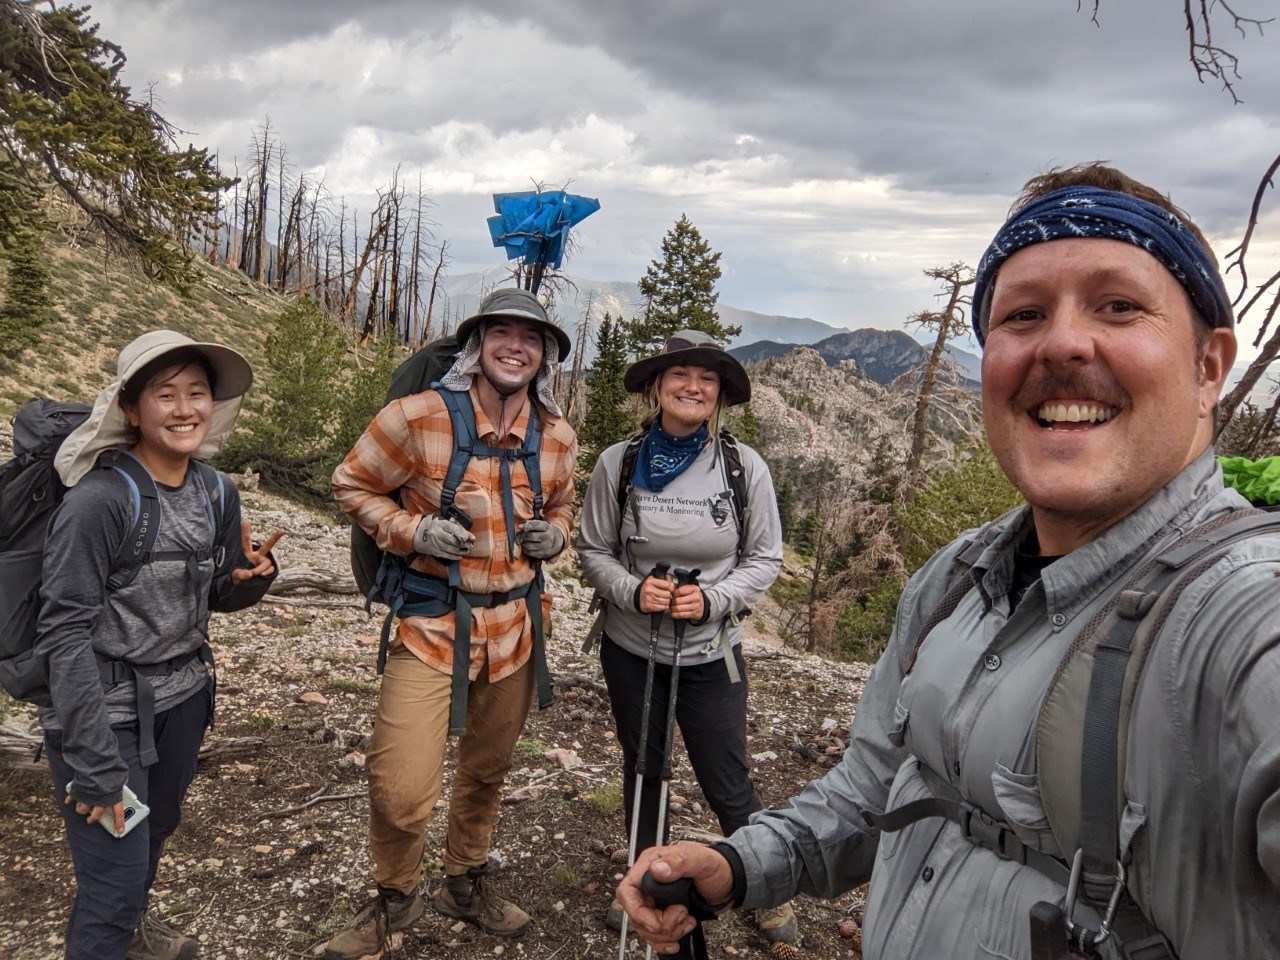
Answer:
(630, 453)
(958, 588)
(138, 544)
(737, 477)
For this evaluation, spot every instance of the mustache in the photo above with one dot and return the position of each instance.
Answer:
(1085, 384)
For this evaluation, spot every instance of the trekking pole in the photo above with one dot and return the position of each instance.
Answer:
(1048, 932)
(642, 766)
(682, 577)
(684, 893)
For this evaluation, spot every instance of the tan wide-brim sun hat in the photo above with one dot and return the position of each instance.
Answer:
(514, 302)
(695, 349)
(107, 427)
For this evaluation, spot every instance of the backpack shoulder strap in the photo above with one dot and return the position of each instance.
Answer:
(737, 476)
(216, 505)
(136, 548)
(630, 453)
(1081, 757)
(462, 418)
(959, 584)
(532, 448)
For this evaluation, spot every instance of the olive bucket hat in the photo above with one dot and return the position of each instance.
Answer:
(514, 302)
(696, 349)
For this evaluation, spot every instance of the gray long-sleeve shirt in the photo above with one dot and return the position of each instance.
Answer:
(160, 615)
(1202, 783)
(690, 524)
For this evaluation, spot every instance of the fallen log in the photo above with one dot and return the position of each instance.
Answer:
(290, 579)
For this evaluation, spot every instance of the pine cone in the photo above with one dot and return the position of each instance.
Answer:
(847, 927)
(785, 951)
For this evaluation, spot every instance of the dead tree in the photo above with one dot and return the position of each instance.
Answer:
(948, 322)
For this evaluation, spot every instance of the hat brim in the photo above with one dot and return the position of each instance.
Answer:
(231, 370)
(562, 339)
(107, 426)
(734, 382)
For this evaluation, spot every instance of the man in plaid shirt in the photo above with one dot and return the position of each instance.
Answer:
(504, 367)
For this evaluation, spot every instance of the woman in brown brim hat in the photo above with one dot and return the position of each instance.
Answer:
(125, 638)
(679, 510)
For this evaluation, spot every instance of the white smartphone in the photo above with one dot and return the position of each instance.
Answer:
(135, 811)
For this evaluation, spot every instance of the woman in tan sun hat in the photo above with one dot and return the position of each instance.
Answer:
(147, 541)
(679, 509)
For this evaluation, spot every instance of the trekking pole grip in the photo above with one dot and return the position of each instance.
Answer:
(682, 891)
(659, 573)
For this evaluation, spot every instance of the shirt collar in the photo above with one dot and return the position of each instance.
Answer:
(1073, 582)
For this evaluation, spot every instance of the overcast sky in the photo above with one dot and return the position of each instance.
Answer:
(830, 149)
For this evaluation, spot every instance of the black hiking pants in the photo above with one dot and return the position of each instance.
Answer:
(711, 713)
(114, 875)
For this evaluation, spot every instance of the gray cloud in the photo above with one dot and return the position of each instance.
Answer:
(829, 149)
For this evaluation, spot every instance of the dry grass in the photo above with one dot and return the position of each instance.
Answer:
(100, 305)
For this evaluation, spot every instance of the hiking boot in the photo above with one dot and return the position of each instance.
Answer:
(365, 937)
(778, 924)
(468, 897)
(156, 940)
(613, 916)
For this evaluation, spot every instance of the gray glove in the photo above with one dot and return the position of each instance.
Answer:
(441, 538)
(540, 539)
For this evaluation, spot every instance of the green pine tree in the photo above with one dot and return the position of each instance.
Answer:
(786, 497)
(744, 425)
(27, 306)
(288, 437)
(69, 123)
(609, 416)
(679, 291)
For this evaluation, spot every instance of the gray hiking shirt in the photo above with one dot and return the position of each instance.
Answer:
(691, 523)
(160, 615)
(1202, 784)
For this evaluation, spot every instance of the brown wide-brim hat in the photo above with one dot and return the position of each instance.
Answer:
(695, 349)
(514, 302)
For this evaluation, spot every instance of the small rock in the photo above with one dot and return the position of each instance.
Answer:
(567, 759)
(262, 848)
(368, 639)
(313, 696)
(764, 757)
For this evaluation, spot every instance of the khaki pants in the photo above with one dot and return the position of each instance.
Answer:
(406, 766)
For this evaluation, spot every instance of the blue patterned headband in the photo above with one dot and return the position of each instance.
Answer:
(1092, 212)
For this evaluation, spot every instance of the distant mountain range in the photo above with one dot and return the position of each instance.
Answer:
(883, 355)
(460, 294)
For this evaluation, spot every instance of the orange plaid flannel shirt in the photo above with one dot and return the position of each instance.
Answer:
(407, 447)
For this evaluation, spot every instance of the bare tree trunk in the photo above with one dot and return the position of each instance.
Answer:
(441, 260)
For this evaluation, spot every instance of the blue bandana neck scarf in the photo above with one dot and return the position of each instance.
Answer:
(1092, 212)
(663, 457)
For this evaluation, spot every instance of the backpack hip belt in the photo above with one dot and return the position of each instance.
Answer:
(421, 595)
(1134, 936)
(115, 672)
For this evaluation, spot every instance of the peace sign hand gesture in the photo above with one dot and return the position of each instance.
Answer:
(259, 558)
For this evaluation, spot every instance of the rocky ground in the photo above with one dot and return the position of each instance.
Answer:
(272, 856)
